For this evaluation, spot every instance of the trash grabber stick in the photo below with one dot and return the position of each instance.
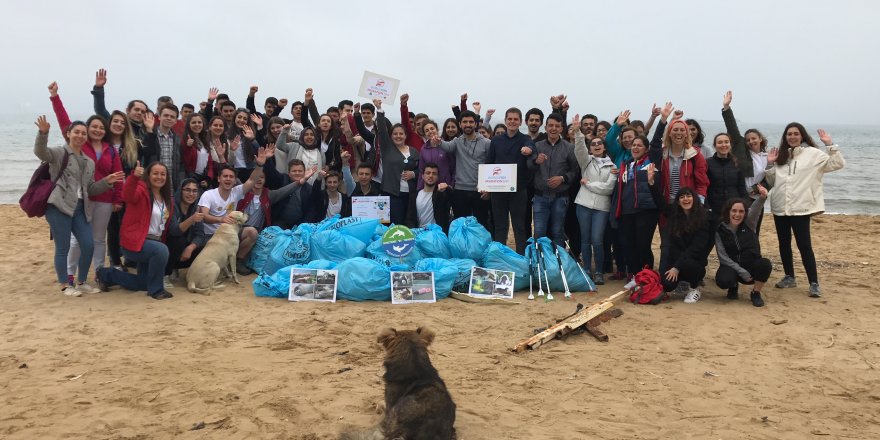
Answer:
(586, 278)
(561, 271)
(531, 282)
(544, 268)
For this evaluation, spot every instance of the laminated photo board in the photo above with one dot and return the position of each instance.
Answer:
(412, 287)
(491, 283)
(372, 207)
(312, 285)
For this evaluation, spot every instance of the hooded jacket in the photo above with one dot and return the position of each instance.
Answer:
(596, 194)
(692, 173)
(797, 185)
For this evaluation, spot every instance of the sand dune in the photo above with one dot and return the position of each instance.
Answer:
(120, 365)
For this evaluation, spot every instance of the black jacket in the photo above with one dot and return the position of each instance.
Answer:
(440, 200)
(694, 246)
(726, 181)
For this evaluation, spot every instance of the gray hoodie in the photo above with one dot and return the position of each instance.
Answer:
(468, 155)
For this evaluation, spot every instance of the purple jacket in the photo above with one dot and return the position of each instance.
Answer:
(445, 161)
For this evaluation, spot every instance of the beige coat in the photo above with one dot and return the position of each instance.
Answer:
(797, 185)
(80, 173)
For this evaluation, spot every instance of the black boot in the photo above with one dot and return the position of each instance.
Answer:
(733, 293)
(757, 301)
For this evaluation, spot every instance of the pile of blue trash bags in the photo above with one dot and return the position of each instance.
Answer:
(353, 247)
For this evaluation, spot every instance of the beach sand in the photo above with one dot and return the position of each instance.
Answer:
(120, 365)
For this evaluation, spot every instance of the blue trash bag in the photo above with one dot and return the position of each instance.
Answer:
(265, 242)
(463, 279)
(327, 223)
(445, 274)
(358, 227)
(277, 285)
(376, 252)
(576, 280)
(362, 279)
(379, 231)
(333, 245)
(290, 250)
(499, 256)
(468, 238)
(432, 242)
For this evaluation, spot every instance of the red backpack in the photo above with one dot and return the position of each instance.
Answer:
(36, 197)
(648, 290)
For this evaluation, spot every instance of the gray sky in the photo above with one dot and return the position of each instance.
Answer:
(810, 61)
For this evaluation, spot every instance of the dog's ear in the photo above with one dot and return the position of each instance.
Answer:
(426, 334)
(385, 336)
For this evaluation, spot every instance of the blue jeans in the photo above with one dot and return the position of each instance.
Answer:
(592, 223)
(62, 225)
(151, 261)
(550, 212)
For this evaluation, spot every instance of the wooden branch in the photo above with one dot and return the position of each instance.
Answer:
(570, 323)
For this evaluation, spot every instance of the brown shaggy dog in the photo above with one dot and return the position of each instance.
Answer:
(417, 404)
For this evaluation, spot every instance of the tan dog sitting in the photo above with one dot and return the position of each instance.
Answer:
(417, 404)
(218, 255)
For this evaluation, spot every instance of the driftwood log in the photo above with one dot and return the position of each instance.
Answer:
(589, 317)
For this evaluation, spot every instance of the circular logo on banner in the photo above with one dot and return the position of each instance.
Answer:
(398, 241)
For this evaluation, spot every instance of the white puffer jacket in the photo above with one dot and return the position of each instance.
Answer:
(797, 185)
(596, 194)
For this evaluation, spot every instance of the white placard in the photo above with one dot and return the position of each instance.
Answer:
(491, 283)
(312, 285)
(412, 287)
(376, 86)
(498, 177)
(372, 207)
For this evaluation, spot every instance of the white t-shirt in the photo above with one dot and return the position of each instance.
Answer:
(238, 156)
(157, 218)
(425, 208)
(201, 159)
(334, 208)
(219, 207)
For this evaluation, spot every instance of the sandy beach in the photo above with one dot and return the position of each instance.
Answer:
(120, 365)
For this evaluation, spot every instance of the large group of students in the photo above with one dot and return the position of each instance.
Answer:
(148, 188)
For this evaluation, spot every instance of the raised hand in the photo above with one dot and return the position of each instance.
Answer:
(220, 148)
(189, 141)
(576, 120)
(257, 120)
(677, 114)
(667, 109)
(236, 142)
(404, 99)
(115, 177)
(442, 186)
(464, 96)
(282, 103)
(772, 155)
(248, 132)
(762, 191)
(212, 94)
(378, 102)
(260, 157)
(435, 140)
(42, 124)
(270, 150)
(100, 78)
(490, 112)
(53, 89)
(356, 107)
(138, 170)
(477, 107)
(728, 97)
(623, 117)
(308, 174)
(655, 111)
(652, 171)
(310, 94)
(149, 121)
(345, 155)
(825, 137)
(253, 90)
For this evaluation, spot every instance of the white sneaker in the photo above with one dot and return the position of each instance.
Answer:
(87, 288)
(630, 285)
(166, 282)
(71, 291)
(692, 296)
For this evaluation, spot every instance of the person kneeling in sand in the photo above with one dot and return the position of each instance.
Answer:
(738, 249)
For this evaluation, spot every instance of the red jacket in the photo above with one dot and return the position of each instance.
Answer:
(138, 209)
(412, 138)
(692, 174)
(108, 164)
(265, 205)
(190, 155)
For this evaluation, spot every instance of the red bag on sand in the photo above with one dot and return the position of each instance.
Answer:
(36, 197)
(648, 290)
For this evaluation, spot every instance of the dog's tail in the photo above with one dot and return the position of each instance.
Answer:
(369, 434)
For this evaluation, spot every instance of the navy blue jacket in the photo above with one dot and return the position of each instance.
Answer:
(506, 149)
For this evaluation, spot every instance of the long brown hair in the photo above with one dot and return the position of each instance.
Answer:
(683, 224)
(130, 144)
(165, 191)
(785, 149)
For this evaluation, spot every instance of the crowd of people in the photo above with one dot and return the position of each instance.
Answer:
(148, 188)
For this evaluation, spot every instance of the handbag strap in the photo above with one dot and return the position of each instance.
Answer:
(63, 167)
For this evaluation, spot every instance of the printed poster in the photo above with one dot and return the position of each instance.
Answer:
(312, 285)
(372, 207)
(376, 86)
(491, 283)
(412, 287)
(499, 177)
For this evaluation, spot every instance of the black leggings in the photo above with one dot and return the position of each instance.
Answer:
(690, 271)
(759, 269)
(114, 250)
(800, 225)
(639, 229)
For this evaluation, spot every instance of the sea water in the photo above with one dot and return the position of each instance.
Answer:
(847, 191)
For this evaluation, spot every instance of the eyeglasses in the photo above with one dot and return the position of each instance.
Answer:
(596, 144)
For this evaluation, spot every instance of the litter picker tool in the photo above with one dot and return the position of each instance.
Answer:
(561, 270)
(586, 278)
(531, 282)
(544, 268)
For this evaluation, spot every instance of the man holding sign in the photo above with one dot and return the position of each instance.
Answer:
(512, 147)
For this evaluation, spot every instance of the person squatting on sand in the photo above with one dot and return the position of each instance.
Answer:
(212, 161)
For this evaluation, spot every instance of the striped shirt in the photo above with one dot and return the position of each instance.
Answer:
(675, 175)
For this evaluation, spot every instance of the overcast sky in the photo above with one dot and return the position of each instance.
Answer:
(810, 61)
